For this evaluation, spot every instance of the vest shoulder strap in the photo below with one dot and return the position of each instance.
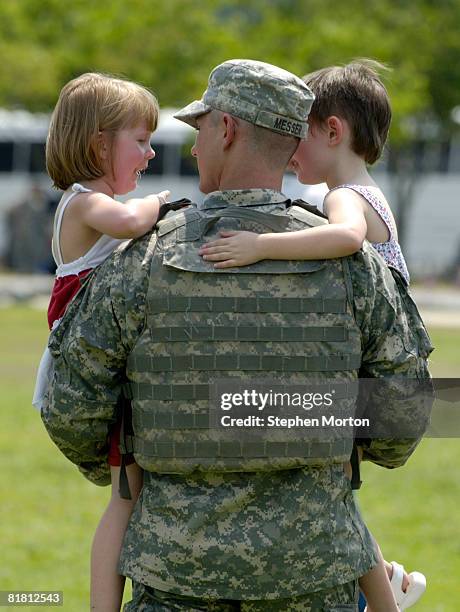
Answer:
(306, 213)
(309, 207)
(173, 222)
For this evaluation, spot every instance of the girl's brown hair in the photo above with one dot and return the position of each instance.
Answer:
(88, 105)
(354, 92)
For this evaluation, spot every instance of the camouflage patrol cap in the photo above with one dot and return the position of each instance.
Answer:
(260, 93)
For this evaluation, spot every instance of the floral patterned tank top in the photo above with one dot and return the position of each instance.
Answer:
(391, 249)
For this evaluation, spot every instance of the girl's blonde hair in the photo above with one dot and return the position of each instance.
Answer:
(88, 105)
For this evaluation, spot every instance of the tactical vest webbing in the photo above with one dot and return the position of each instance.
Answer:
(274, 322)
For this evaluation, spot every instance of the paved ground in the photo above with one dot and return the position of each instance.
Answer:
(439, 305)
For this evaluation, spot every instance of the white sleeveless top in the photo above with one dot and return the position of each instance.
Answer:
(94, 256)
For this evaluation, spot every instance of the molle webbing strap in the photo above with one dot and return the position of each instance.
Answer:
(242, 362)
(161, 416)
(240, 449)
(248, 333)
(178, 392)
(148, 391)
(165, 418)
(263, 363)
(227, 362)
(247, 304)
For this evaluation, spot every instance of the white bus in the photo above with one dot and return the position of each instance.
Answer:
(22, 157)
(22, 161)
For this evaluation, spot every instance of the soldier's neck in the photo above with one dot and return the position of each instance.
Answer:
(250, 178)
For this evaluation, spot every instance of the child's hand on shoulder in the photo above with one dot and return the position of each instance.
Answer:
(233, 249)
(162, 197)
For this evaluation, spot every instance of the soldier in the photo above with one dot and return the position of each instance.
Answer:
(232, 525)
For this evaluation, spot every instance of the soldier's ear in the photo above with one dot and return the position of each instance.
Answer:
(230, 127)
(335, 130)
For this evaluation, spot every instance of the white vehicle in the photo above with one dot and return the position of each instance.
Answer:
(22, 160)
(22, 157)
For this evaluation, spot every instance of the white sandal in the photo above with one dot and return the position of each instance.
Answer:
(415, 588)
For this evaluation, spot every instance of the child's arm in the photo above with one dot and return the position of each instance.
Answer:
(117, 219)
(343, 236)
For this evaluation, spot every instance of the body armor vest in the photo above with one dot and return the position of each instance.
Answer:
(274, 322)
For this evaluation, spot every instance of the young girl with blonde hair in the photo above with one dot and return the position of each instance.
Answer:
(98, 146)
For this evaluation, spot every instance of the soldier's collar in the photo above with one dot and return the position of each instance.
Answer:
(242, 197)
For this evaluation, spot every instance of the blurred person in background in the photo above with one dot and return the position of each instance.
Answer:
(29, 228)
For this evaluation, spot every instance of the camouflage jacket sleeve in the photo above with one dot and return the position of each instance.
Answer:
(90, 348)
(395, 348)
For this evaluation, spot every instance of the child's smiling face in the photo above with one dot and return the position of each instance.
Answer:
(131, 153)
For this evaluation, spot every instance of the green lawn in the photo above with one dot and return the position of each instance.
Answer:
(49, 512)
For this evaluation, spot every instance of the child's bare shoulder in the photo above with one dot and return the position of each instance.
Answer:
(85, 199)
(343, 197)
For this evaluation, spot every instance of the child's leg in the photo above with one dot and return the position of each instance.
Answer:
(377, 589)
(376, 583)
(106, 584)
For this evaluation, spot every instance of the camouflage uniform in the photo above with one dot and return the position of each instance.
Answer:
(270, 540)
(154, 600)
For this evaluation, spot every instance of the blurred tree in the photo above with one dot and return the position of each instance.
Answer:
(170, 46)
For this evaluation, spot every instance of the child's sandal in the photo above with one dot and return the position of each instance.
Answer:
(415, 588)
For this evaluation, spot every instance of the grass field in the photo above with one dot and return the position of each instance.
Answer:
(49, 512)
